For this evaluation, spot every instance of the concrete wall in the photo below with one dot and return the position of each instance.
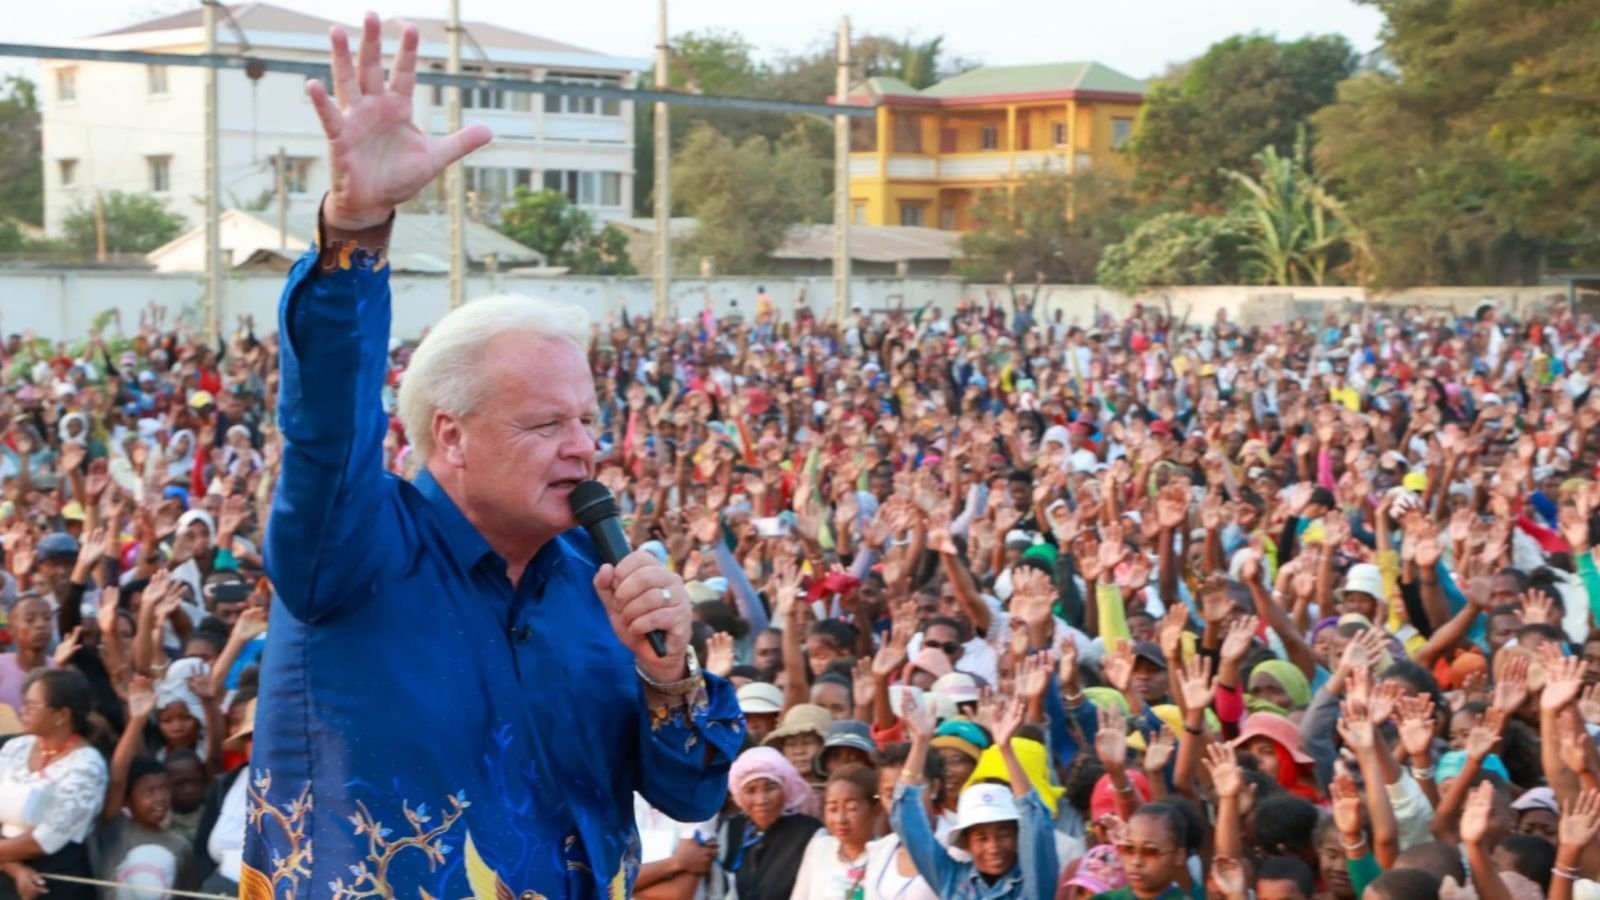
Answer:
(62, 303)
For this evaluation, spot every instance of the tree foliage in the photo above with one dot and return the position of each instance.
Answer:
(134, 223)
(745, 196)
(1245, 93)
(1296, 231)
(21, 152)
(565, 234)
(1054, 224)
(721, 61)
(1174, 249)
(1475, 157)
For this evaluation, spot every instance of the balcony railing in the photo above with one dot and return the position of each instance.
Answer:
(993, 164)
(996, 164)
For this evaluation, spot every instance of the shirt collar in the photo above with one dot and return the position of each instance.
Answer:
(466, 546)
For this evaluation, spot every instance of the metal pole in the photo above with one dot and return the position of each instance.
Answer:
(283, 199)
(99, 229)
(452, 175)
(213, 188)
(841, 180)
(663, 177)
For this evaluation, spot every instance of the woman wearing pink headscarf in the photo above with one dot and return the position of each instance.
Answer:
(763, 846)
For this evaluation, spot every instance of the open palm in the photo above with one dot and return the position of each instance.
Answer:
(379, 158)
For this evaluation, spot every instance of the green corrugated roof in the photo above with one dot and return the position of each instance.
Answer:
(887, 86)
(1070, 76)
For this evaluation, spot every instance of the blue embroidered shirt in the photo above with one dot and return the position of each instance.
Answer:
(423, 723)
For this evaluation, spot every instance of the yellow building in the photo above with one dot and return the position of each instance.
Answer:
(927, 154)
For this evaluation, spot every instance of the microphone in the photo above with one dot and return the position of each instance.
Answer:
(596, 510)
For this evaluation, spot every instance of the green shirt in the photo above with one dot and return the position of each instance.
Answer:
(1126, 893)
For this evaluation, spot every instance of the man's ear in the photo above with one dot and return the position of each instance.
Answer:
(449, 440)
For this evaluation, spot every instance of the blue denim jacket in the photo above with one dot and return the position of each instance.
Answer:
(1034, 875)
(425, 724)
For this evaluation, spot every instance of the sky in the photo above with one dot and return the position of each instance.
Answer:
(1138, 37)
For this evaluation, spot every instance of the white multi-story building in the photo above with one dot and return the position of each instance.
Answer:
(140, 129)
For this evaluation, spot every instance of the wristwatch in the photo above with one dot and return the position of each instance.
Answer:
(686, 685)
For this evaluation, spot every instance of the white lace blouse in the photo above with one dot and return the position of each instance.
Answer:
(58, 804)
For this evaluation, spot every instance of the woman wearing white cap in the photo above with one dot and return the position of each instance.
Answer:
(1008, 833)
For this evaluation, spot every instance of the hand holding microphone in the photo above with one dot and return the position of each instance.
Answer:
(646, 601)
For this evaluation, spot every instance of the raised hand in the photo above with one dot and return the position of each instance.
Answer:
(1589, 704)
(72, 457)
(1087, 552)
(1118, 667)
(252, 623)
(1011, 717)
(1381, 705)
(1416, 725)
(1562, 684)
(786, 586)
(1033, 675)
(67, 648)
(1241, 633)
(1356, 729)
(1172, 506)
(1229, 875)
(1169, 631)
(1538, 608)
(1223, 766)
(106, 615)
(1033, 595)
(1572, 742)
(1067, 665)
(1197, 685)
(1346, 808)
(1112, 549)
(1425, 546)
(378, 157)
(141, 697)
(1580, 820)
(1475, 813)
(719, 654)
(892, 655)
(1484, 736)
(919, 718)
(1511, 688)
(1111, 741)
(1159, 749)
(1250, 568)
(863, 683)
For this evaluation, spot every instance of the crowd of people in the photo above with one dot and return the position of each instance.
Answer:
(1017, 605)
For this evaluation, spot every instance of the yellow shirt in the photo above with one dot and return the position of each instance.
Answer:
(1347, 396)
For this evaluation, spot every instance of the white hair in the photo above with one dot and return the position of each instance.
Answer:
(446, 372)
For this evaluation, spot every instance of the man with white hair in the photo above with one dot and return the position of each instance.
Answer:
(457, 699)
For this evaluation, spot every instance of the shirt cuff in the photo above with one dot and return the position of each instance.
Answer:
(365, 249)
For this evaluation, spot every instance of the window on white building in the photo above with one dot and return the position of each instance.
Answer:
(493, 186)
(1121, 131)
(160, 173)
(586, 188)
(990, 138)
(582, 106)
(69, 171)
(488, 97)
(296, 173)
(66, 85)
(155, 79)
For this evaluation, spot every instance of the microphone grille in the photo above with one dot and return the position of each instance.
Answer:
(591, 501)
